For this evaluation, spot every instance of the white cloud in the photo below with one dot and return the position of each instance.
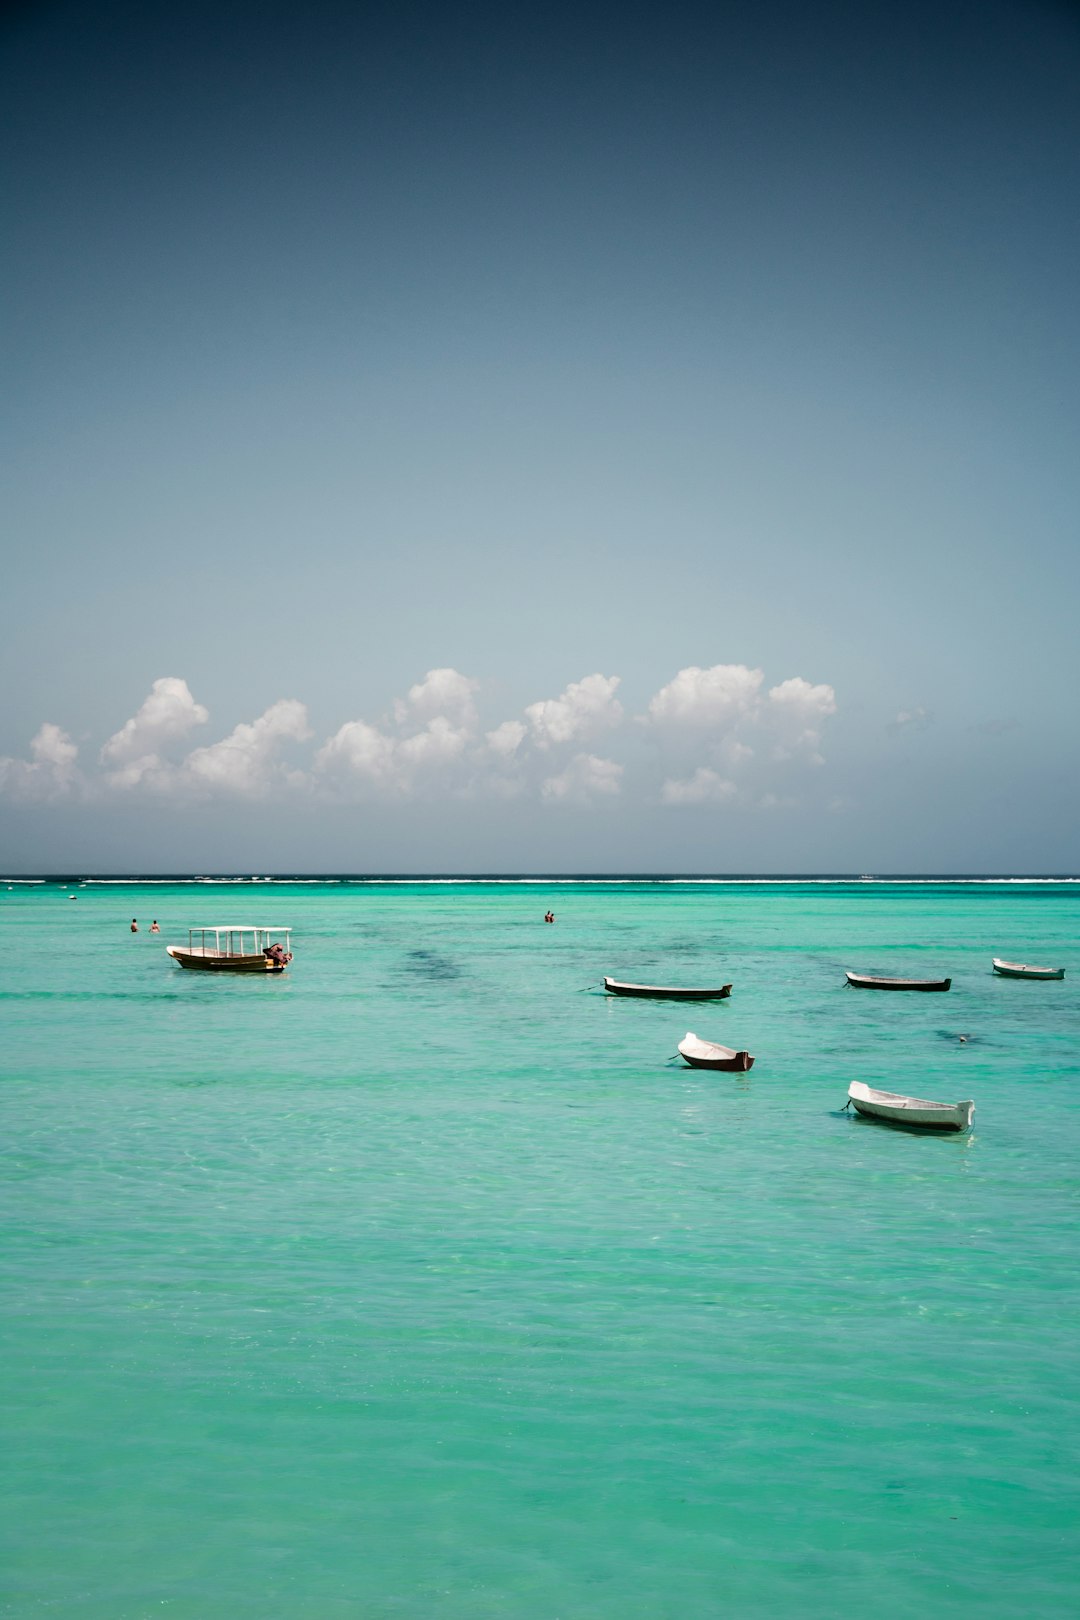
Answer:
(584, 708)
(168, 712)
(911, 720)
(438, 743)
(442, 694)
(710, 727)
(365, 756)
(715, 699)
(506, 739)
(796, 711)
(358, 749)
(704, 787)
(584, 779)
(246, 761)
(50, 773)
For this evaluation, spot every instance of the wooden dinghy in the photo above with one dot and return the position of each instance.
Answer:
(234, 950)
(932, 1116)
(1024, 970)
(863, 981)
(616, 987)
(708, 1055)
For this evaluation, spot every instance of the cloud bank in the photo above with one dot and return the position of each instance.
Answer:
(708, 739)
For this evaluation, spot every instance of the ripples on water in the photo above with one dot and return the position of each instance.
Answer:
(418, 1283)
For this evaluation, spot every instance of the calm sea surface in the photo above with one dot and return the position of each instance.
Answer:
(420, 1282)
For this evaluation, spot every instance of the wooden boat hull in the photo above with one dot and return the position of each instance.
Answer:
(920, 1112)
(862, 981)
(709, 1055)
(1022, 970)
(223, 964)
(655, 992)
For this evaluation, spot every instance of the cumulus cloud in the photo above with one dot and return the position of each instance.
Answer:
(717, 732)
(359, 749)
(584, 779)
(442, 694)
(168, 712)
(704, 787)
(49, 773)
(584, 708)
(723, 715)
(712, 699)
(247, 761)
(506, 739)
(796, 711)
(366, 756)
(911, 720)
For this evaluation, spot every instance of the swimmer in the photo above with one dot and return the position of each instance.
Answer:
(154, 929)
(134, 926)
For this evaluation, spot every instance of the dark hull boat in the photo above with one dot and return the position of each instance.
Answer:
(710, 1055)
(656, 992)
(863, 981)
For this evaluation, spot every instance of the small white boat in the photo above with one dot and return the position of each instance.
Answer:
(1024, 970)
(618, 987)
(934, 1116)
(709, 1055)
(234, 950)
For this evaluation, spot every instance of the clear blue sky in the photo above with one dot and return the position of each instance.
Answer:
(347, 343)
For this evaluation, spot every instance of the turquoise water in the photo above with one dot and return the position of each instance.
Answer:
(420, 1281)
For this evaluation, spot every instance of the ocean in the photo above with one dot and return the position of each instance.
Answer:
(425, 1281)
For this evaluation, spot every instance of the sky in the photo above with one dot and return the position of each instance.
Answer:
(497, 438)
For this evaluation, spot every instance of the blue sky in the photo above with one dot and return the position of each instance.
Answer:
(708, 374)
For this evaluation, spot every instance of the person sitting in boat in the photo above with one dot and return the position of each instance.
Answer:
(278, 954)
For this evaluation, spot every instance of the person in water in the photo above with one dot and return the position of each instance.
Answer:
(134, 926)
(154, 929)
(549, 916)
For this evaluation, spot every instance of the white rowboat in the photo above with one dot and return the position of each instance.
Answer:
(1024, 970)
(709, 1055)
(934, 1116)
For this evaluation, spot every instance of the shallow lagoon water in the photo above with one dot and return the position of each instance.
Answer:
(421, 1280)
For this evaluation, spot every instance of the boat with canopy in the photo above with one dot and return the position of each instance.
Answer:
(234, 949)
(901, 1110)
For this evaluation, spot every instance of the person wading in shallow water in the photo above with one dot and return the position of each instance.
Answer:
(549, 916)
(134, 926)
(154, 929)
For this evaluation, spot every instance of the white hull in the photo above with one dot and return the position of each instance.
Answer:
(711, 1055)
(901, 1110)
(1023, 970)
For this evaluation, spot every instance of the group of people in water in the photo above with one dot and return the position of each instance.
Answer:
(154, 929)
(549, 916)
